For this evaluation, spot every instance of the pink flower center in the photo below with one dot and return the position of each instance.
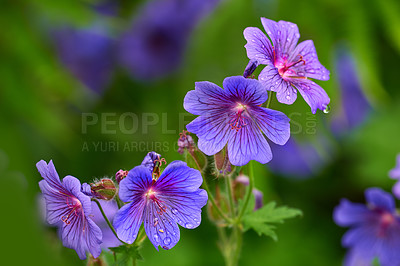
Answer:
(161, 207)
(74, 208)
(386, 220)
(238, 120)
(284, 67)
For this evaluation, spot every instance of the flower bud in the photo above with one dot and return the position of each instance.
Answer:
(104, 189)
(250, 68)
(185, 141)
(239, 189)
(222, 163)
(121, 174)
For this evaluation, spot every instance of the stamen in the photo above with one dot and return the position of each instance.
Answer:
(238, 121)
(75, 207)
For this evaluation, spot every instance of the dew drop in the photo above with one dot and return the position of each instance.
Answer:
(297, 35)
(174, 211)
(156, 238)
(188, 225)
(323, 77)
(167, 241)
(287, 97)
(279, 32)
(312, 71)
(272, 88)
(327, 109)
(277, 82)
(288, 39)
(300, 73)
(268, 32)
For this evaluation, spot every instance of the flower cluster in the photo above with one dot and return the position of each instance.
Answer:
(162, 201)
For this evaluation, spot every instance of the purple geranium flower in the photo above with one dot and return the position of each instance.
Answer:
(174, 198)
(150, 160)
(395, 174)
(355, 106)
(234, 115)
(70, 209)
(289, 65)
(154, 45)
(375, 228)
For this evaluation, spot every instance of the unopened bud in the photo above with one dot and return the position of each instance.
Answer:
(239, 189)
(104, 189)
(222, 163)
(250, 68)
(121, 174)
(185, 141)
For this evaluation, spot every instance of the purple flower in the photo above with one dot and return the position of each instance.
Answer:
(395, 174)
(374, 229)
(87, 53)
(288, 65)
(233, 115)
(154, 45)
(355, 106)
(150, 159)
(258, 195)
(70, 209)
(110, 208)
(174, 198)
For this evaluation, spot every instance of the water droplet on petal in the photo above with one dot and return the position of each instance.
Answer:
(327, 109)
(167, 241)
(156, 238)
(287, 97)
(268, 32)
(276, 82)
(188, 225)
(279, 32)
(297, 35)
(288, 39)
(174, 211)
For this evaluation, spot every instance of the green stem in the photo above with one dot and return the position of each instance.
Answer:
(269, 99)
(239, 239)
(228, 183)
(108, 222)
(249, 191)
(213, 202)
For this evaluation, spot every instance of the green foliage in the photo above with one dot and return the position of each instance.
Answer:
(260, 220)
(125, 253)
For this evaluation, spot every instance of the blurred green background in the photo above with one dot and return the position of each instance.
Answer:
(42, 107)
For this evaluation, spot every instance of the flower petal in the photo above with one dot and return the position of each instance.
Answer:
(160, 227)
(248, 144)
(49, 173)
(258, 46)
(55, 203)
(313, 94)
(178, 177)
(245, 91)
(213, 131)
(284, 36)
(149, 159)
(128, 219)
(272, 80)
(93, 237)
(135, 183)
(349, 213)
(311, 67)
(274, 124)
(378, 198)
(206, 96)
(184, 207)
(73, 186)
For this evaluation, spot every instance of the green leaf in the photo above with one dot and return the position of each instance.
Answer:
(124, 253)
(260, 220)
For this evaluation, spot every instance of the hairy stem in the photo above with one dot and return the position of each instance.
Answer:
(108, 222)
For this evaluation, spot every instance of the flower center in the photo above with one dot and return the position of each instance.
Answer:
(161, 207)
(284, 67)
(386, 220)
(74, 208)
(238, 120)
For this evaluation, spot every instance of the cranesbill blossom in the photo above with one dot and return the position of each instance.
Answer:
(374, 229)
(173, 198)
(71, 210)
(355, 106)
(234, 115)
(395, 174)
(288, 65)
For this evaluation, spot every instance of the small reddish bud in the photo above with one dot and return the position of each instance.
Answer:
(104, 189)
(121, 174)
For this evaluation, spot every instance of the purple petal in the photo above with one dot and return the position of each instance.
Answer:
(348, 213)
(73, 186)
(179, 177)
(396, 190)
(55, 203)
(245, 91)
(284, 36)
(49, 173)
(258, 46)
(110, 208)
(185, 208)
(128, 219)
(272, 80)
(149, 159)
(354, 259)
(248, 144)
(205, 97)
(258, 195)
(313, 94)
(160, 228)
(135, 183)
(274, 124)
(312, 68)
(395, 172)
(378, 198)
(213, 131)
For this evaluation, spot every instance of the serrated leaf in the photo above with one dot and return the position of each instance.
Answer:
(125, 253)
(260, 220)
